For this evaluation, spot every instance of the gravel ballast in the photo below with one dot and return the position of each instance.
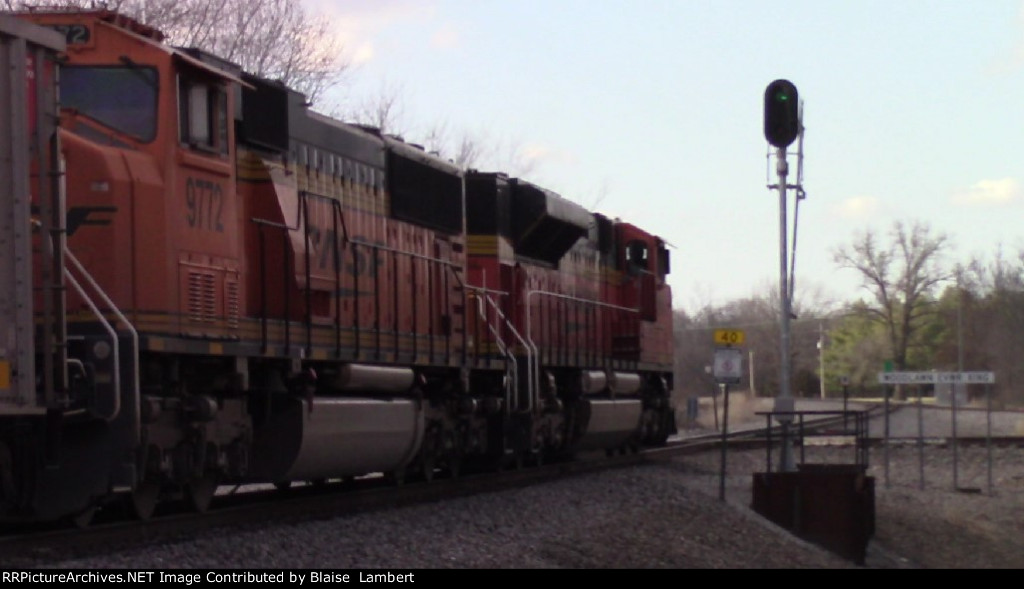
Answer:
(663, 515)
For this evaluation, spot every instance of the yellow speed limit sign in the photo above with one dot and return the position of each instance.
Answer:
(729, 337)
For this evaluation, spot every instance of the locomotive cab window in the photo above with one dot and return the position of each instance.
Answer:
(122, 98)
(637, 256)
(203, 112)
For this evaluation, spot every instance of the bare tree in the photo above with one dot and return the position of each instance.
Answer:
(275, 39)
(901, 275)
(468, 150)
(383, 110)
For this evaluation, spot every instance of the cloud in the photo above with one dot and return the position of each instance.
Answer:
(362, 53)
(372, 10)
(357, 23)
(540, 152)
(445, 38)
(535, 151)
(857, 207)
(990, 193)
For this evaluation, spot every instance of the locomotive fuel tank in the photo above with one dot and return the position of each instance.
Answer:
(624, 383)
(612, 423)
(324, 438)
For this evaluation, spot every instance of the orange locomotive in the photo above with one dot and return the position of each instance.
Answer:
(230, 288)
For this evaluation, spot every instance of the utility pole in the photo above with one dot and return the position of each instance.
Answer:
(821, 355)
(753, 386)
(782, 126)
(955, 388)
(784, 403)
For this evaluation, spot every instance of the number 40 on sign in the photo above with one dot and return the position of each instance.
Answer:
(729, 337)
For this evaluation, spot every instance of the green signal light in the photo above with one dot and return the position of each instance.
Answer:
(781, 116)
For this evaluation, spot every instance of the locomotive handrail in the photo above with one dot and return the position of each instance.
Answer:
(303, 215)
(355, 242)
(131, 328)
(113, 336)
(486, 291)
(432, 262)
(504, 348)
(533, 372)
(260, 224)
(461, 285)
(110, 331)
(384, 248)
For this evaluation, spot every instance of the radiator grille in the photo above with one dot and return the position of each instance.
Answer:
(202, 297)
(231, 303)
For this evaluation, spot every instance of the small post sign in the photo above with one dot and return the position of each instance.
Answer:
(729, 337)
(728, 365)
(934, 377)
(728, 369)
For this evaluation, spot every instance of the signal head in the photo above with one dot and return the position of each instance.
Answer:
(781, 113)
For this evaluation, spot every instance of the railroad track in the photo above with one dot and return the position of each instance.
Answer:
(260, 507)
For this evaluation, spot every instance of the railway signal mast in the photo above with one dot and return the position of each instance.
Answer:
(782, 126)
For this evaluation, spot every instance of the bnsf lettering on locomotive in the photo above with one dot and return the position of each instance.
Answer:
(205, 203)
(322, 244)
(364, 259)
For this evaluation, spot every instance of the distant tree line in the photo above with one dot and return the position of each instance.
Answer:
(919, 312)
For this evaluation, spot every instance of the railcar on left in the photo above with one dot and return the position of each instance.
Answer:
(46, 446)
(139, 151)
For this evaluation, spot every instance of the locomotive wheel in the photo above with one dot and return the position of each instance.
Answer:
(200, 491)
(144, 500)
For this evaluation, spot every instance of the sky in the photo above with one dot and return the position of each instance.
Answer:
(652, 111)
